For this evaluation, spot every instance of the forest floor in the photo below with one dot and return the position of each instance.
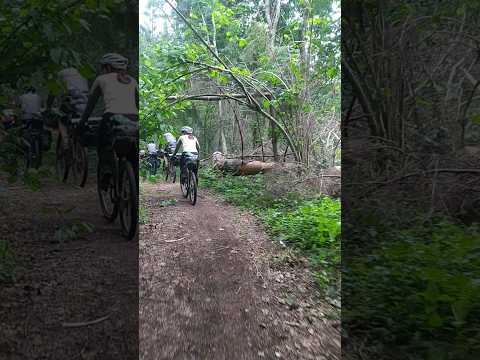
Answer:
(214, 286)
(66, 280)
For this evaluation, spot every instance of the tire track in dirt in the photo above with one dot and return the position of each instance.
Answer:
(207, 290)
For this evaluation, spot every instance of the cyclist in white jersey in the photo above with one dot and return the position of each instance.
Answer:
(120, 95)
(152, 148)
(30, 104)
(189, 144)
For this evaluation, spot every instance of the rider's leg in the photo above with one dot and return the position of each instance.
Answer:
(183, 172)
(104, 160)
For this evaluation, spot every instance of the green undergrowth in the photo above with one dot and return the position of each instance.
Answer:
(414, 290)
(310, 224)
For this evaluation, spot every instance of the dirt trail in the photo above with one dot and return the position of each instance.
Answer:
(74, 280)
(210, 290)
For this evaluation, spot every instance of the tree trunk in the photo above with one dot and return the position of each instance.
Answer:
(273, 128)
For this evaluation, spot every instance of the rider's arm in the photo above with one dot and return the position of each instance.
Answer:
(92, 100)
(197, 145)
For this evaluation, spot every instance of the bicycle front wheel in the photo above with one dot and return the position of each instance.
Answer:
(128, 204)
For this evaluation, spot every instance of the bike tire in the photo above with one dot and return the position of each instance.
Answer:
(192, 187)
(80, 164)
(184, 187)
(61, 167)
(28, 157)
(109, 214)
(38, 153)
(174, 174)
(167, 173)
(128, 197)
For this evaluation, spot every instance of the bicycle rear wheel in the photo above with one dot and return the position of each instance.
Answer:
(61, 166)
(107, 194)
(128, 204)
(184, 187)
(167, 172)
(35, 153)
(193, 187)
(174, 173)
(28, 157)
(80, 164)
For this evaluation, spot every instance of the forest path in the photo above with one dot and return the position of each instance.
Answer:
(211, 289)
(69, 280)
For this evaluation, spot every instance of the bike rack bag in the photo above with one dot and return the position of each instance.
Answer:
(124, 133)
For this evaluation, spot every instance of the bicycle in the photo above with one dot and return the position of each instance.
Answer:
(117, 174)
(75, 155)
(152, 164)
(189, 184)
(171, 168)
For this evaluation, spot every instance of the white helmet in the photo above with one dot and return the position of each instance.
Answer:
(116, 61)
(142, 152)
(187, 130)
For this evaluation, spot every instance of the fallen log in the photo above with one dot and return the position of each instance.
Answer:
(242, 168)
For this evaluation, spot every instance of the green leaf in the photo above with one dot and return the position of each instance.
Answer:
(87, 72)
(242, 43)
(54, 87)
(476, 119)
(91, 4)
(223, 79)
(84, 24)
(266, 104)
(55, 55)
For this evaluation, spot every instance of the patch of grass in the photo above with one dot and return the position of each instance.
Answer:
(168, 202)
(7, 263)
(66, 232)
(314, 227)
(153, 178)
(142, 215)
(311, 225)
(416, 289)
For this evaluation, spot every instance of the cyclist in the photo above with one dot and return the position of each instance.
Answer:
(189, 144)
(152, 156)
(120, 95)
(152, 148)
(30, 104)
(171, 143)
(72, 100)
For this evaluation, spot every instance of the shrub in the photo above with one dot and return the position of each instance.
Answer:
(419, 289)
